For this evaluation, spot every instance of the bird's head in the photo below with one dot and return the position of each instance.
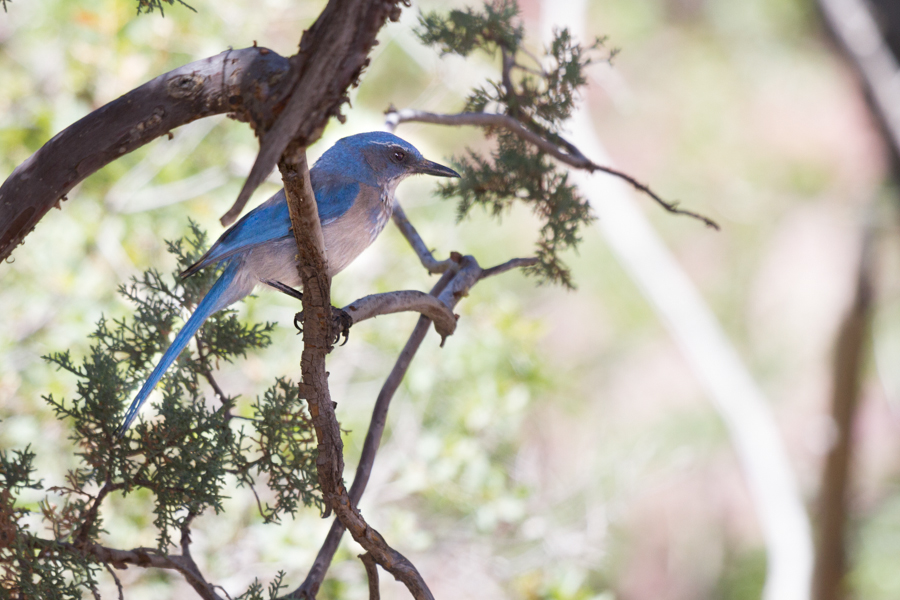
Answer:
(381, 159)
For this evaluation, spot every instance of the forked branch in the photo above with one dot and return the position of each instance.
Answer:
(404, 301)
(461, 275)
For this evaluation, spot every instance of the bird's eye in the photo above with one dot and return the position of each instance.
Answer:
(398, 156)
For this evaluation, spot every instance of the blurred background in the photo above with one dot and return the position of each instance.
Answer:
(560, 445)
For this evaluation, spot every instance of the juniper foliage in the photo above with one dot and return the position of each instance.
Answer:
(540, 94)
(148, 6)
(187, 459)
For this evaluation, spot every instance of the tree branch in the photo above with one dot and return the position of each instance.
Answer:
(317, 335)
(310, 586)
(282, 99)
(856, 30)
(248, 81)
(333, 53)
(402, 301)
(148, 557)
(568, 154)
(116, 580)
(371, 574)
(833, 501)
(412, 236)
(514, 263)
(453, 285)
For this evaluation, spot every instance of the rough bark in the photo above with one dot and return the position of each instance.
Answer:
(317, 335)
(283, 99)
(249, 82)
(333, 54)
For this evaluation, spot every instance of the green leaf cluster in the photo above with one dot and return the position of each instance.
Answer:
(540, 94)
(148, 6)
(186, 459)
(255, 591)
(464, 31)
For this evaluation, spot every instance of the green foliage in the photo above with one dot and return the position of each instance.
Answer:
(184, 459)
(464, 31)
(148, 6)
(536, 182)
(15, 471)
(255, 591)
(541, 97)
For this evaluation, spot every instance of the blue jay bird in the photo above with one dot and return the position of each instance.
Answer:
(354, 183)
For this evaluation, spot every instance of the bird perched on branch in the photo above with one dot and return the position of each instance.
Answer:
(354, 183)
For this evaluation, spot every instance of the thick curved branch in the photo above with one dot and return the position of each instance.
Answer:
(404, 301)
(247, 81)
(291, 99)
(565, 153)
(333, 54)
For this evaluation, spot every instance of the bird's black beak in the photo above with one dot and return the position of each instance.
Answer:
(427, 167)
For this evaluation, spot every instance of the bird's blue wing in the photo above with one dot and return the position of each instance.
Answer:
(266, 223)
(334, 196)
(271, 220)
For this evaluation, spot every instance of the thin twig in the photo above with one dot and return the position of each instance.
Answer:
(508, 60)
(259, 505)
(118, 582)
(412, 236)
(224, 591)
(533, 57)
(186, 536)
(90, 516)
(372, 574)
(570, 156)
(207, 374)
(514, 263)
(531, 70)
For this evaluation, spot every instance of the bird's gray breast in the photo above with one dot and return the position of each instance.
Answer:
(351, 233)
(345, 238)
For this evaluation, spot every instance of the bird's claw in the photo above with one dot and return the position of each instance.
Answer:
(341, 323)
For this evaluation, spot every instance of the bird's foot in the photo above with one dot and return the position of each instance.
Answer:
(341, 323)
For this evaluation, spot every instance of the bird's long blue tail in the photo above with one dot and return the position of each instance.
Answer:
(215, 300)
